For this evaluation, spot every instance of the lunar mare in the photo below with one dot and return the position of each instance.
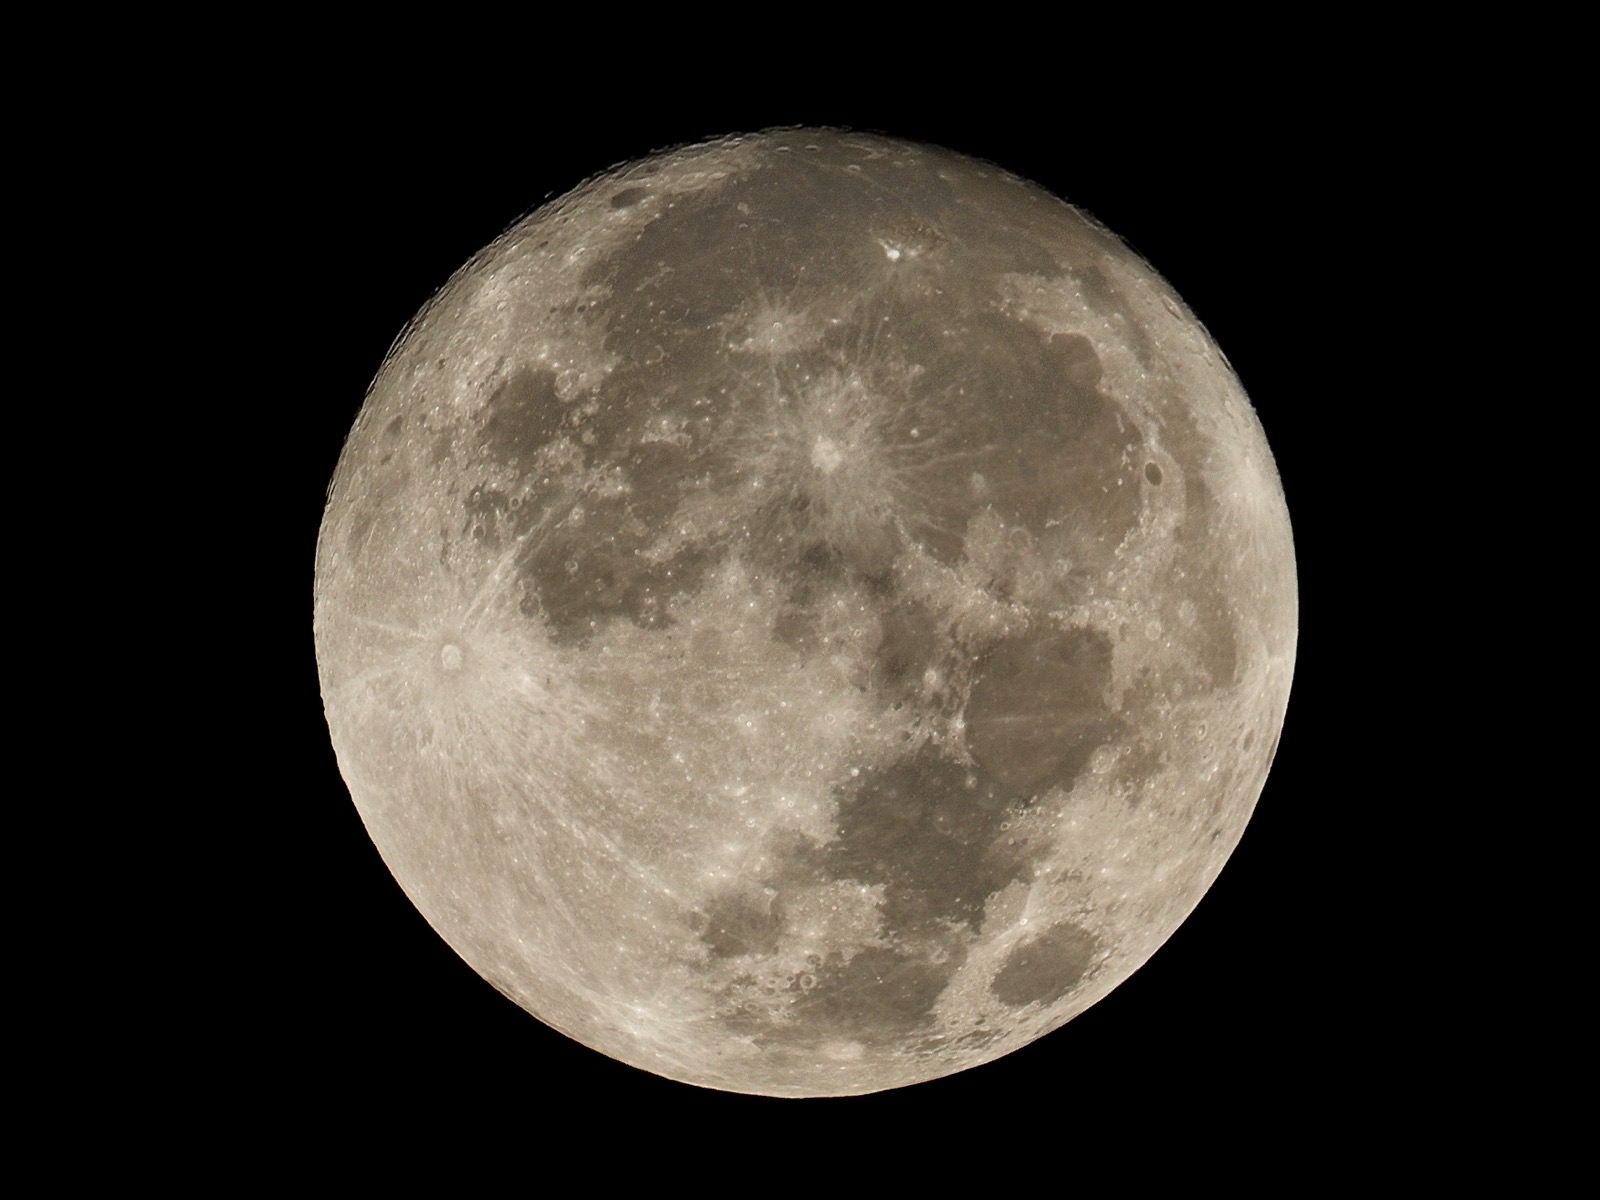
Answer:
(805, 614)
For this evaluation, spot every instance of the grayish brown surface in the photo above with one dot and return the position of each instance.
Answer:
(805, 614)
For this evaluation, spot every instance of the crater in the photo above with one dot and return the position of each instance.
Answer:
(909, 237)
(826, 455)
(487, 511)
(879, 994)
(1045, 969)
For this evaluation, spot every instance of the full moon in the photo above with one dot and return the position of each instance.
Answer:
(805, 614)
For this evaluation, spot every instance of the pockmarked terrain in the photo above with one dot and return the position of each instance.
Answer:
(806, 613)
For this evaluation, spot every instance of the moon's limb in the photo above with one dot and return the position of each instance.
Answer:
(805, 614)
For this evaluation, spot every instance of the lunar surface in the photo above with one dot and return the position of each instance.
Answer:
(805, 614)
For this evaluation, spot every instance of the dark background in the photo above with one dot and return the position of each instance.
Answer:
(1249, 1011)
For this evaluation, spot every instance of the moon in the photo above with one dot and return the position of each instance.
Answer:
(805, 614)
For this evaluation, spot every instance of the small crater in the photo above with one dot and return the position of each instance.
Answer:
(486, 511)
(826, 455)
(879, 993)
(451, 657)
(1152, 473)
(1045, 969)
(909, 238)
(628, 197)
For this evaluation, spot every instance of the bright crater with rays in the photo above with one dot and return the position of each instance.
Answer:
(805, 614)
